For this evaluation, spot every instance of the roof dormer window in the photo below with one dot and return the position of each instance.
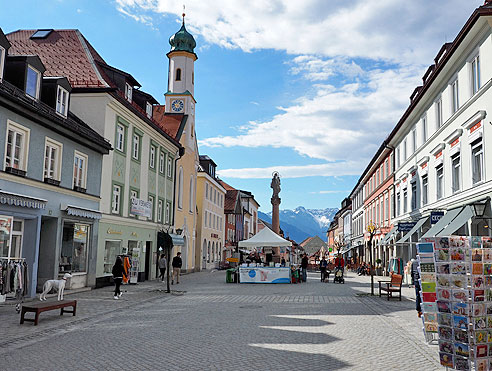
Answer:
(149, 109)
(128, 92)
(2, 61)
(62, 101)
(41, 34)
(33, 81)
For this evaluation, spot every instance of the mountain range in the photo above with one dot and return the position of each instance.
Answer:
(301, 223)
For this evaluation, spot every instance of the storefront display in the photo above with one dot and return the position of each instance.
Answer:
(456, 291)
(73, 254)
(5, 235)
(112, 249)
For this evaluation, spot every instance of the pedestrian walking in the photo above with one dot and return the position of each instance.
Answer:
(118, 273)
(322, 267)
(162, 266)
(177, 264)
(416, 282)
(304, 266)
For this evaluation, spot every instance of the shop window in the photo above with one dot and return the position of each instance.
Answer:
(440, 182)
(73, 253)
(425, 190)
(52, 159)
(116, 204)
(11, 232)
(112, 248)
(477, 161)
(62, 101)
(17, 147)
(79, 171)
(33, 81)
(456, 172)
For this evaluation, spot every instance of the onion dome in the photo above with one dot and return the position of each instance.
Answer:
(182, 40)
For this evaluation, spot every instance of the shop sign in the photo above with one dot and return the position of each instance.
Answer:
(141, 207)
(436, 216)
(112, 231)
(406, 226)
(232, 260)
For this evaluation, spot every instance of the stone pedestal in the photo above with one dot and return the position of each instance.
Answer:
(276, 225)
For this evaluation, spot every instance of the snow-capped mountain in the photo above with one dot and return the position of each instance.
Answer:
(301, 223)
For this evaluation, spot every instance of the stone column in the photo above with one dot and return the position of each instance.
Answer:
(275, 214)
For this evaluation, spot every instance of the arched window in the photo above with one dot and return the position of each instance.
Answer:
(213, 251)
(180, 188)
(178, 74)
(208, 252)
(191, 194)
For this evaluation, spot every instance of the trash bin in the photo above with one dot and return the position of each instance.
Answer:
(230, 276)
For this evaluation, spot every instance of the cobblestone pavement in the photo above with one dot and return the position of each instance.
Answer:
(212, 325)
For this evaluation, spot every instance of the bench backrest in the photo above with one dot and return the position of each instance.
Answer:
(396, 279)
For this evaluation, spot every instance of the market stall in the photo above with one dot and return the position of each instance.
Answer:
(258, 274)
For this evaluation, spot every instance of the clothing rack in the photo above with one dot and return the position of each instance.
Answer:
(19, 291)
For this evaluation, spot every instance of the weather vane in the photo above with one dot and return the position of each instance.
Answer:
(184, 13)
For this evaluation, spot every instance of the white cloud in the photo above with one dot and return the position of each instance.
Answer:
(330, 192)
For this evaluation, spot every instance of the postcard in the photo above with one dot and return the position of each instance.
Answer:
(481, 350)
(425, 247)
(459, 295)
(430, 327)
(460, 282)
(478, 310)
(446, 359)
(481, 365)
(446, 346)
(489, 308)
(462, 364)
(428, 277)
(458, 268)
(477, 268)
(426, 258)
(444, 319)
(478, 295)
(489, 337)
(428, 267)
(443, 268)
(488, 294)
(461, 322)
(487, 255)
(458, 308)
(459, 241)
(460, 349)
(442, 243)
(445, 307)
(479, 323)
(443, 280)
(461, 336)
(429, 307)
(428, 286)
(481, 336)
(429, 297)
(476, 242)
(443, 294)
(430, 317)
(457, 254)
(446, 333)
(478, 282)
(442, 255)
(486, 242)
(487, 268)
(476, 255)
(489, 322)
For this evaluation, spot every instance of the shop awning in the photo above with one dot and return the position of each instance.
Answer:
(442, 223)
(390, 234)
(81, 212)
(463, 217)
(415, 228)
(177, 239)
(15, 199)
(265, 237)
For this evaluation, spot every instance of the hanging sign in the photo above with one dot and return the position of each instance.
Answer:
(436, 216)
(406, 226)
(141, 207)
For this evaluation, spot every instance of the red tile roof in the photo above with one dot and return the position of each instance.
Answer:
(230, 200)
(170, 122)
(64, 53)
(226, 186)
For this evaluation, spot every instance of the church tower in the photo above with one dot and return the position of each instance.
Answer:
(181, 74)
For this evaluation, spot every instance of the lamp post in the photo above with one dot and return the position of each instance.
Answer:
(371, 229)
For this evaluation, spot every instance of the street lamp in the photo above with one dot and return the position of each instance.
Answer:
(479, 208)
(371, 229)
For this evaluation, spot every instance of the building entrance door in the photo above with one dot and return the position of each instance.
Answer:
(148, 253)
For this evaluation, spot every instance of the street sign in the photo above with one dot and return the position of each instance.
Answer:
(436, 216)
(406, 226)
(232, 260)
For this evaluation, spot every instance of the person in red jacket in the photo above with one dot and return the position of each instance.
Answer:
(339, 261)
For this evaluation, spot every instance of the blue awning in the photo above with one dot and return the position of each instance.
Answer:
(15, 199)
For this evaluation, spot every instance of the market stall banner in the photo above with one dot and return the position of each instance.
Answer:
(264, 275)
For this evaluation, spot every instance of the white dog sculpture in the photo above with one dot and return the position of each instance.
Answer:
(58, 285)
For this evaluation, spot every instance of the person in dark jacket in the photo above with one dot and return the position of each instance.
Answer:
(322, 267)
(304, 265)
(416, 283)
(177, 264)
(162, 266)
(118, 273)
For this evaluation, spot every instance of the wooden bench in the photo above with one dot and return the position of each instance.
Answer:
(391, 286)
(45, 306)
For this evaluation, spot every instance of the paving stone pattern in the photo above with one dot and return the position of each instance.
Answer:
(212, 325)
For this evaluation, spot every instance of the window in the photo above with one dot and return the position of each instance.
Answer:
(169, 167)
(405, 154)
(191, 194)
(377, 177)
(133, 196)
(477, 161)
(152, 157)
(475, 71)
(17, 146)
(425, 190)
(79, 170)
(159, 211)
(439, 118)
(398, 204)
(398, 157)
(120, 137)
(424, 129)
(151, 199)
(178, 74)
(2, 61)
(405, 201)
(136, 146)
(414, 139)
(116, 205)
(74, 247)
(180, 188)
(440, 181)
(148, 110)
(455, 169)
(387, 168)
(33, 82)
(162, 162)
(62, 101)
(168, 213)
(52, 159)
(128, 92)
(206, 191)
(455, 103)
(387, 213)
(414, 195)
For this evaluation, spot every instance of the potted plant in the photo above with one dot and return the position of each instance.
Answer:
(379, 269)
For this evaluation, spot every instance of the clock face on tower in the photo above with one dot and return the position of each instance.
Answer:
(177, 105)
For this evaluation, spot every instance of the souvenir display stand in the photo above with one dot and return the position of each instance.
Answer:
(456, 292)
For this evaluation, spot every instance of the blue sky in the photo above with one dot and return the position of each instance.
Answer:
(309, 88)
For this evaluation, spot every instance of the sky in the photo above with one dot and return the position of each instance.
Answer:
(306, 88)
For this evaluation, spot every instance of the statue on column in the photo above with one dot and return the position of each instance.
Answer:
(275, 185)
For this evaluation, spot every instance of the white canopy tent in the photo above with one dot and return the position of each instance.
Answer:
(266, 237)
